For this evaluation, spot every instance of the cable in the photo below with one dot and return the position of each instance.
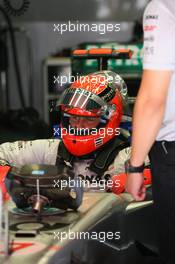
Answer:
(38, 190)
(15, 57)
(30, 70)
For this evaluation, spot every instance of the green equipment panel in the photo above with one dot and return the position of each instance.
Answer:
(131, 68)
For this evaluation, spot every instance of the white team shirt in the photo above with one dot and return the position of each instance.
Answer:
(159, 54)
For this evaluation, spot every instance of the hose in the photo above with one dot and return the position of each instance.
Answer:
(15, 57)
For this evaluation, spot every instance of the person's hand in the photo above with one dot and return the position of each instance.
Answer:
(135, 186)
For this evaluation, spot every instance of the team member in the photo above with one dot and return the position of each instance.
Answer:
(154, 121)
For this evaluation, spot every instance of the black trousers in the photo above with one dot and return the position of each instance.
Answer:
(162, 157)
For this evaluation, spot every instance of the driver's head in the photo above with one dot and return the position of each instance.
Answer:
(91, 106)
(84, 121)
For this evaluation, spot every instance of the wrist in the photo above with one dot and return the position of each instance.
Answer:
(130, 168)
(136, 162)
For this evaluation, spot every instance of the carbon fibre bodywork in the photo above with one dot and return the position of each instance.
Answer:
(100, 213)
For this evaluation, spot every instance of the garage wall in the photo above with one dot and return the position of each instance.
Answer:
(44, 42)
(37, 22)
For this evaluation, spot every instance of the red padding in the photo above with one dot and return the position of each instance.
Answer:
(120, 180)
(147, 176)
(3, 172)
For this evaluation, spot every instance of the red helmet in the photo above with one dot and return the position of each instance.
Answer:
(91, 110)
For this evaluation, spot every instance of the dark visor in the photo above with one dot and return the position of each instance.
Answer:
(80, 98)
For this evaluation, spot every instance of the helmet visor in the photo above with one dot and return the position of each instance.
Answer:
(80, 98)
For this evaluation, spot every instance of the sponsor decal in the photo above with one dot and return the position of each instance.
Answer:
(151, 17)
(98, 142)
(149, 50)
(150, 28)
(22, 248)
(20, 145)
(149, 39)
(57, 131)
(15, 246)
